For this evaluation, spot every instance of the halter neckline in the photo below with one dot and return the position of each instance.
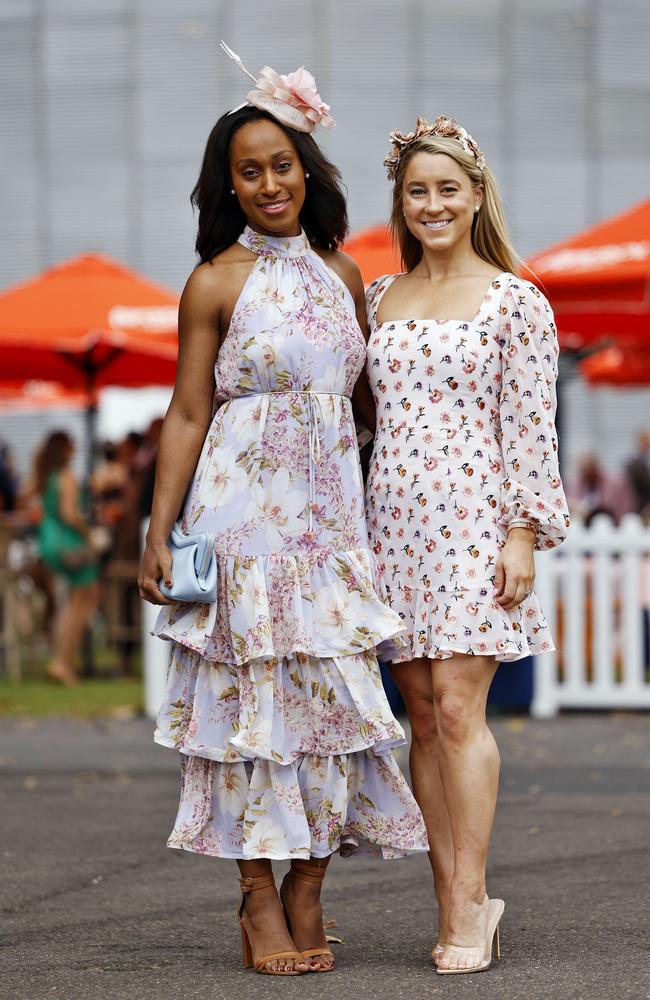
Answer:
(284, 247)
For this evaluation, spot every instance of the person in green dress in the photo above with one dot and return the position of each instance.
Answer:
(64, 543)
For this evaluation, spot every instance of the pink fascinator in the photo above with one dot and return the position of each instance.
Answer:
(292, 99)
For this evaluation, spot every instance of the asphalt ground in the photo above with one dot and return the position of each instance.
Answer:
(94, 906)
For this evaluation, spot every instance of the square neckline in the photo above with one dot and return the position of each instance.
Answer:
(430, 319)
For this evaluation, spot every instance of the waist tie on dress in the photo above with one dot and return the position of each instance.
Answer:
(315, 420)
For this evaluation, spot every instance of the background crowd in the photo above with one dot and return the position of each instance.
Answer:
(71, 548)
(71, 554)
(594, 488)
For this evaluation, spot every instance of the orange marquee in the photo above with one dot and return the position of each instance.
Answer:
(598, 282)
(38, 395)
(617, 366)
(87, 323)
(373, 251)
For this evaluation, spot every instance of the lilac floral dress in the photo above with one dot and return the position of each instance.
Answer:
(274, 695)
(465, 449)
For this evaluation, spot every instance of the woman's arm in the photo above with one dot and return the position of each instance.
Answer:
(185, 426)
(362, 402)
(533, 507)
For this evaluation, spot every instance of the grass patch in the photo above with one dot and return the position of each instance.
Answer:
(116, 698)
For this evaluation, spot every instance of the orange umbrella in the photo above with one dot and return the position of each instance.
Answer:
(88, 323)
(39, 395)
(617, 366)
(599, 282)
(373, 251)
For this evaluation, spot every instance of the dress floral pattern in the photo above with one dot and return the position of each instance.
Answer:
(465, 449)
(274, 695)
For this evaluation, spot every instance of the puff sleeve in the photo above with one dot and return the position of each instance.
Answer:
(532, 492)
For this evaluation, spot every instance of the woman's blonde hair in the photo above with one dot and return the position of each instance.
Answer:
(490, 237)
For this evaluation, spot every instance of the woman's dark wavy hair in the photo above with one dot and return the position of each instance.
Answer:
(323, 216)
(53, 455)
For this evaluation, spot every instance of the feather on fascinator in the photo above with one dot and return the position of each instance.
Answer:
(292, 99)
(447, 128)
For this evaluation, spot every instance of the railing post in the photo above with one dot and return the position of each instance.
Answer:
(573, 598)
(633, 535)
(545, 702)
(602, 537)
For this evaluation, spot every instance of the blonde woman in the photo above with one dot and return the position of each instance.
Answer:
(463, 487)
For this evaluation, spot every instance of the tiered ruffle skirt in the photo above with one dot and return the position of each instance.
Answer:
(276, 706)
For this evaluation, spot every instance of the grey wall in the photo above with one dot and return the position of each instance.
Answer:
(105, 107)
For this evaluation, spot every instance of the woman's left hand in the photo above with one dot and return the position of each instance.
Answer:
(515, 569)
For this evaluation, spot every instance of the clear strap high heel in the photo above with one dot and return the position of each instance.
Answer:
(437, 952)
(250, 960)
(492, 942)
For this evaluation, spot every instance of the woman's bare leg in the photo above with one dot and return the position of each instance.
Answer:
(416, 688)
(469, 767)
(71, 626)
(266, 919)
(66, 639)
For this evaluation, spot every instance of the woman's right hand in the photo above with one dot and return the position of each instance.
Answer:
(156, 565)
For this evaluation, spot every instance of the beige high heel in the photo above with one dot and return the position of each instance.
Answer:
(309, 873)
(250, 884)
(492, 942)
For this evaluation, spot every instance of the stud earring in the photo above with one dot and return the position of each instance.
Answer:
(476, 209)
(232, 190)
(307, 175)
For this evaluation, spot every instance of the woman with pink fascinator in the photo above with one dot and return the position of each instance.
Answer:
(464, 485)
(274, 697)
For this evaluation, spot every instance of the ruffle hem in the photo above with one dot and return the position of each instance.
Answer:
(322, 603)
(276, 706)
(469, 621)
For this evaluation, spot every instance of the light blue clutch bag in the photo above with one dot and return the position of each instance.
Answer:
(194, 567)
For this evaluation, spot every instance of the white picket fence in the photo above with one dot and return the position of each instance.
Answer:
(594, 590)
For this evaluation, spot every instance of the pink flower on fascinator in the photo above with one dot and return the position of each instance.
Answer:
(298, 90)
(303, 87)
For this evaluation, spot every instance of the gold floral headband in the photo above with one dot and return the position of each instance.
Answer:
(448, 128)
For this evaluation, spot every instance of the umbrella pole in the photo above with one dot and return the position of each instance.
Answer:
(88, 659)
(91, 430)
(90, 366)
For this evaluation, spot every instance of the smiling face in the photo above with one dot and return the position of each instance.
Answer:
(268, 178)
(439, 201)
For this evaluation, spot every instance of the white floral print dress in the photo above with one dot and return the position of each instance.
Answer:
(465, 449)
(274, 696)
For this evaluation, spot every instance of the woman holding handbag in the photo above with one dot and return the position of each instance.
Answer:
(274, 698)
